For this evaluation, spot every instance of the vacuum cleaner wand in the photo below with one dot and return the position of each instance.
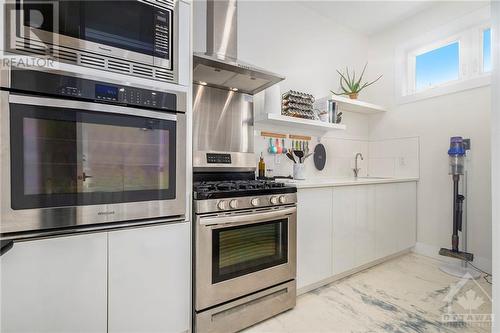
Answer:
(456, 154)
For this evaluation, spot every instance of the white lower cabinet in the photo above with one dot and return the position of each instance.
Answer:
(149, 279)
(365, 226)
(345, 227)
(344, 223)
(407, 213)
(134, 280)
(314, 229)
(387, 219)
(353, 227)
(396, 217)
(55, 285)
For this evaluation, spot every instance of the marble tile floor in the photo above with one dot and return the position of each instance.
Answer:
(408, 294)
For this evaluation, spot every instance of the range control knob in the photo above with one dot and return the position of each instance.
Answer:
(222, 205)
(282, 199)
(255, 202)
(274, 200)
(233, 204)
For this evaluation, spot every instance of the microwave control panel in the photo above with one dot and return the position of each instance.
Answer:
(79, 88)
(163, 36)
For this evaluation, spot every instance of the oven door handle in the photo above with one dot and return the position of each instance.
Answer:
(247, 218)
(90, 106)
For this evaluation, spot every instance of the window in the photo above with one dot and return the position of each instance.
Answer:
(487, 50)
(437, 66)
(451, 59)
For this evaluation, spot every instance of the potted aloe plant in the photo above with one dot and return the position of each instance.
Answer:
(350, 85)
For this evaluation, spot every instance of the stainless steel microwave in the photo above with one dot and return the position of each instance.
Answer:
(134, 37)
(77, 152)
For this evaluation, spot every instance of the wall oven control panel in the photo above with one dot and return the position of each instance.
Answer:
(79, 88)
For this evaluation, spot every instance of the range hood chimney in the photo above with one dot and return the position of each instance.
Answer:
(222, 29)
(219, 66)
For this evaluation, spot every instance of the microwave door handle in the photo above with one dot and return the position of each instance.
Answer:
(247, 218)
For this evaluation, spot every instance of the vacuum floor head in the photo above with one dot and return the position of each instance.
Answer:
(457, 254)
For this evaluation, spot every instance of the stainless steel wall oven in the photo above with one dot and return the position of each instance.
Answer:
(76, 151)
(130, 36)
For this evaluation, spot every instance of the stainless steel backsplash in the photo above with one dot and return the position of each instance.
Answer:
(222, 120)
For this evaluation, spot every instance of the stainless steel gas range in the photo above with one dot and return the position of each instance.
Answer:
(244, 231)
(245, 251)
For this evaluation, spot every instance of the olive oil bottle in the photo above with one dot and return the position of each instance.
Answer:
(262, 167)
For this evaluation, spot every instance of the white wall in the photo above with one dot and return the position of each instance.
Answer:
(434, 120)
(382, 158)
(339, 158)
(397, 157)
(303, 46)
(292, 40)
(288, 38)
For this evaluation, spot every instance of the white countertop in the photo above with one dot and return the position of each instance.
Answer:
(331, 182)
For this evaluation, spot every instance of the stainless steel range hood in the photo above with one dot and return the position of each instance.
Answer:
(219, 66)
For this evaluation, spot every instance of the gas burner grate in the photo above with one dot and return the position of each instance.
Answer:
(236, 187)
(228, 186)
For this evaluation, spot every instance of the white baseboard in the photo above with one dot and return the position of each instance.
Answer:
(420, 248)
(342, 275)
(433, 252)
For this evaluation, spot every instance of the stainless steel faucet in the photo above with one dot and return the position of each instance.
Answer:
(356, 169)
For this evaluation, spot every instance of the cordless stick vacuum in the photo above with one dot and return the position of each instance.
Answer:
(457, 153)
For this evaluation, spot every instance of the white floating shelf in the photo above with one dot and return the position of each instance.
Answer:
(353, 105)
(298, 123)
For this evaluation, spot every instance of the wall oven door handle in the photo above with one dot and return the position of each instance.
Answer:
(89, 106)
(247, 218)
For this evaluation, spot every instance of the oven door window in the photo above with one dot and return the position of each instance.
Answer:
(68, 157)
(245, 249)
